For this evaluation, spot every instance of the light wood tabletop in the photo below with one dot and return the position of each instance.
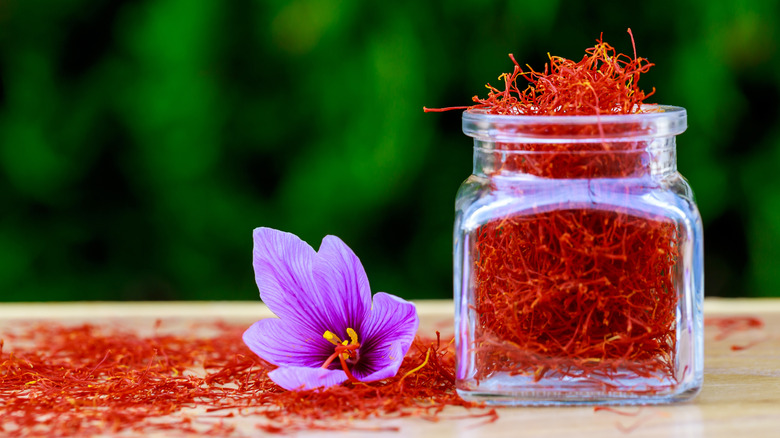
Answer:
(740, 397)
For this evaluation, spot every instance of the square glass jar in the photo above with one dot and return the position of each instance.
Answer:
(578, 262)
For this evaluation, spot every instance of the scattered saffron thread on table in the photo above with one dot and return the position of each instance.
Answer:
(618, 411)
(729, 325)
(634, 425)
(88, 380)
(638, 422)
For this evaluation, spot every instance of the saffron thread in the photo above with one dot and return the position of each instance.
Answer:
(86, 380)
(575, 291)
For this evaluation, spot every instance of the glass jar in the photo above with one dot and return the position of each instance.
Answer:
(578, 262)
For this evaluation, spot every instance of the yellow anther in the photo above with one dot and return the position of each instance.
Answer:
(331, 337)
(335, 340)
(352, 336)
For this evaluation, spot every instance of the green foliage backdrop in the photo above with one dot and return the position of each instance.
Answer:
(142, 141)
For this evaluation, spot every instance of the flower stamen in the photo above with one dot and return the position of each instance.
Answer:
(332, 337)
(344, 350)
(352, 336)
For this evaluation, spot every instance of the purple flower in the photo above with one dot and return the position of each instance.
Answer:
(328, 330)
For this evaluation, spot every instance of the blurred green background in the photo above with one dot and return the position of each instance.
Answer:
(142, 141)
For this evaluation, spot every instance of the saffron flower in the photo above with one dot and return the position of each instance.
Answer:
(328, 330)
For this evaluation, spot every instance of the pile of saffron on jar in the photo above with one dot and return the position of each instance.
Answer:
(59, 380)
(575, 292)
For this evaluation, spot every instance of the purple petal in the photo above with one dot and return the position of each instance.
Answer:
(386, 336)
(283, 343)
(385, 362)
(283, 272)
(344, 294)
(300, 378)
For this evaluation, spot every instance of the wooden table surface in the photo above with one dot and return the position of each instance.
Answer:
(741, 394)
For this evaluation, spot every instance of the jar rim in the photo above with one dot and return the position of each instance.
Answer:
(654, 121)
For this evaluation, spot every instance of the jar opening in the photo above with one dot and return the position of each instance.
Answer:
(653, 122)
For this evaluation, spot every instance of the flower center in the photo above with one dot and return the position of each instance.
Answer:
(345, 351)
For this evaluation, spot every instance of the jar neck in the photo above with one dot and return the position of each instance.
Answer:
(588, 146)
(656, 157)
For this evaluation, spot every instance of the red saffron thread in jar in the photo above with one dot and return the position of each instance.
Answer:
(575, 292)
(90, 380)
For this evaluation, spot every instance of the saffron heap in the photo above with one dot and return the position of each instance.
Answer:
(88, 380)
(575, 291)
(603, 82)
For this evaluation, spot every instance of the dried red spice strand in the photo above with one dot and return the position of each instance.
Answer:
(575, 292)
(88, 380)
(579, 293)
(617, 411)
(603, 82)
(626, 429)
(729, 325)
